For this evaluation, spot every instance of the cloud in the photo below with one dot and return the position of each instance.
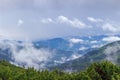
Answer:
(64, 20)
(96, 46)
(46, 21)
(26, 54)
(74, 56)
(73, 16)
(65, 59)
(93, 42)
(20, 22)
(75, 40)
(112, 53)
(111, 38)
(110, 27)
(83, 48)
(62, 60)
(74, 23)
(91, 19)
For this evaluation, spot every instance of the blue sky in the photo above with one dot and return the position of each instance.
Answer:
(42, 19)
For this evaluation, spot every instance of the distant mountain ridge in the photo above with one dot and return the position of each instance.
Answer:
(42, 54)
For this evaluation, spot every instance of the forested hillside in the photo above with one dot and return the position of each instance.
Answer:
(97, 71)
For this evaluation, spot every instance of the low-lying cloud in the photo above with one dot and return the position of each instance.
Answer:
(65, 59)
(112, 52)
(25, 54)
(111, 38)
(75, 40)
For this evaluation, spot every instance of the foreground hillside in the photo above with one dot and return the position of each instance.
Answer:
(96, 71)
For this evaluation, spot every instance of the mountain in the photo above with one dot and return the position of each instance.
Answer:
(25, 53)
(74, 43)
(42, 54)
(110, 52)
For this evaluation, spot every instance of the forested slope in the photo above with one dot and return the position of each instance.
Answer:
(97, 71)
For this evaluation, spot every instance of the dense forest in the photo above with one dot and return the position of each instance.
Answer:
(97, 71)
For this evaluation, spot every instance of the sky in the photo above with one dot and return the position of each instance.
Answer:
(43, 19)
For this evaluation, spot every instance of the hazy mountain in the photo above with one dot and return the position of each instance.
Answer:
(110, 52)
(51, 52)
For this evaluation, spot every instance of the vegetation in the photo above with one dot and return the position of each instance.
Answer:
(97, 71)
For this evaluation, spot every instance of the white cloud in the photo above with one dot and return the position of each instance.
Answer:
(63, 60)
(46, 21)
(75, 40)
(27, 55)
(64, 20)
(96, 46)
(20, 22)
(93, 42)
(94, 20)
(74, 56)
(110, 27)
(82, 48)
(74, 23)
(112, 53)
(111, 38)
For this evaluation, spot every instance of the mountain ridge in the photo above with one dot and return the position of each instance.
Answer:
(92, 56)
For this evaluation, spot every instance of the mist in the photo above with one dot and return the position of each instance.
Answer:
(25, 54)
(112, 52)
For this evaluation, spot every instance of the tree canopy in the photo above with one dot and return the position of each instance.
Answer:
(96, 71)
